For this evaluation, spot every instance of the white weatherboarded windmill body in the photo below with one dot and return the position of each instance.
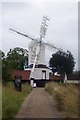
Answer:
(36, 62)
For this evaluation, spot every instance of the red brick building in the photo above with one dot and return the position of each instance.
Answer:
(22, 74)
(25, 74)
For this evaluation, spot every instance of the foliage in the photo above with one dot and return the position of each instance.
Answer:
(2, 54)
(6, 71)
(74, 76)
(0, 100)
(1, 58)
(15, 59)
(66, 96)
(62, 63)
(12, 99)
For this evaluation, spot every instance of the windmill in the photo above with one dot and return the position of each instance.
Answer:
(37, 52)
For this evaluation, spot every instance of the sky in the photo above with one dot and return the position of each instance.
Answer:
(27, 17)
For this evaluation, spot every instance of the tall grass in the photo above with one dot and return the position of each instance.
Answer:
(0, 100)
(13, 99)
(66, 96)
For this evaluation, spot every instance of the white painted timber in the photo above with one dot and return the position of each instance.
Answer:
(38, 73)
(32, 53)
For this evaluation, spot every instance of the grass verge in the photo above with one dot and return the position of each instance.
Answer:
(12, 99)
(0, 100)
(66, 96)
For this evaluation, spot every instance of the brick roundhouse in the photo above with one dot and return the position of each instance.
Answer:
(25, 74)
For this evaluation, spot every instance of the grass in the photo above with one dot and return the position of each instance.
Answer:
(66, 96)
(0, 100)
(12, 99)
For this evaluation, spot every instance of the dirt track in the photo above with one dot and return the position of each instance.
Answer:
(39, 104)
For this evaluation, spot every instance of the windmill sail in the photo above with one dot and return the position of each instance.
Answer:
(37, 48)
(23, 34)
(60, 51)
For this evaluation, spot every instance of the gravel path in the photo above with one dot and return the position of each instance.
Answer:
(39, 104)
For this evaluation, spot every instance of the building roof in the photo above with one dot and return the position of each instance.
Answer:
(38, 66)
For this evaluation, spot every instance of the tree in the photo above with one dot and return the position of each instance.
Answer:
(15, 59)
(6, 71)
(2, 55)
(62, 63)
(79, 75)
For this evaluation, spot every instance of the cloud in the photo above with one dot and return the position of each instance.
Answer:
(27, 17)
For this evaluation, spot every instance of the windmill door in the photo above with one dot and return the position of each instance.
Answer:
(43, 74)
